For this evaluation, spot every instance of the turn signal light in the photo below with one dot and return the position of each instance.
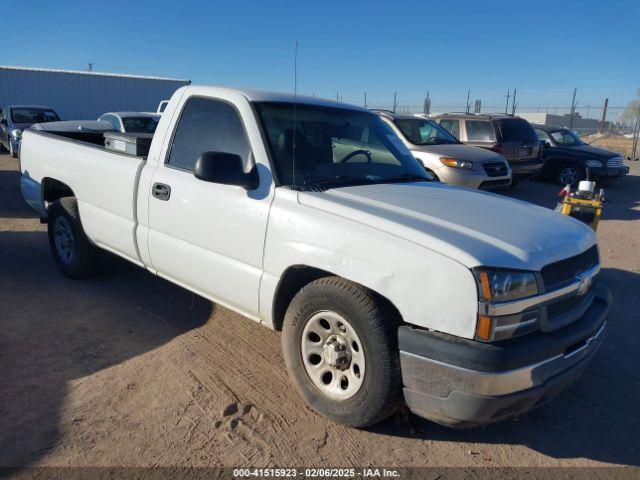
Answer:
(483, 328)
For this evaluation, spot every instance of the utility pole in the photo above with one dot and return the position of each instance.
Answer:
(395, 101)
(506, 108)
(468, 105)
(573, 109)
(603, 119)
(513, 102)
(90, 67)
(426, 109)
(366, 104)
(636, 134)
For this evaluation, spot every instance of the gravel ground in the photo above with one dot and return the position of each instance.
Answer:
(126, 369)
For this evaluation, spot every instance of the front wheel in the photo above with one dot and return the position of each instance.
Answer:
(72, 251)
(340, 347)
(570, 174)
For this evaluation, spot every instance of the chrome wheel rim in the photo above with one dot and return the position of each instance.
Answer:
(568, 175)
(333, 355)
(10, 148)
(63, 239)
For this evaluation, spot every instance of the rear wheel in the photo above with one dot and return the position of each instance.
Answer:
(72, 251)
(340, 347)
(570, 174)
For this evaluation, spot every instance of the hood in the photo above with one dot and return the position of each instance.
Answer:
(589, 151)
(459, 151)
(472, 227)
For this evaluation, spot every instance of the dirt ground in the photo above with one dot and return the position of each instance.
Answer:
(616, 143)
(126, 369)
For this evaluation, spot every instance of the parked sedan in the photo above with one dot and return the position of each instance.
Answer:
(445, 157)
(15, 118)
(131, 122)
(567, 159)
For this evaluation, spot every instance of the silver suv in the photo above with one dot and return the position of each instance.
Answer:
(510, 136)
(445, 157)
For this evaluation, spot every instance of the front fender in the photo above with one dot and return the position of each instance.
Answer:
(429, 290)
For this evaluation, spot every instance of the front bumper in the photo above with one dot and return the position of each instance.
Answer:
(463, 383)
(606, 172)
(15, 144)
(472, 179)
(526, 167)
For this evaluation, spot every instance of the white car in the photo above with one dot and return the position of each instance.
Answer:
(312, 217)
(131, 122)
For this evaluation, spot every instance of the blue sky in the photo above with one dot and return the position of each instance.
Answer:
(543, 49)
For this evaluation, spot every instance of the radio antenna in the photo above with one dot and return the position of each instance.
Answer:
(295, 100)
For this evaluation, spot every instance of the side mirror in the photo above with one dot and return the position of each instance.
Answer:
(225, 168)
(545, 144)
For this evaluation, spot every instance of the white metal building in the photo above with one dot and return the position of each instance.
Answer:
(77, 95)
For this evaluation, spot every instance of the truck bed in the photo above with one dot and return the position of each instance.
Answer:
(104, 182)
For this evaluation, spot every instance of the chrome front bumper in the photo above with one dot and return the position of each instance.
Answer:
(467, 383)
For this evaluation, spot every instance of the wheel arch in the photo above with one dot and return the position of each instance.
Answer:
(296, 277)
(53, 189)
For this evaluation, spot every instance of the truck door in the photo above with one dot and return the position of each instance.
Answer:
(206, 236)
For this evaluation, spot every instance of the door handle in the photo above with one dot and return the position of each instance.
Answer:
(161, 191)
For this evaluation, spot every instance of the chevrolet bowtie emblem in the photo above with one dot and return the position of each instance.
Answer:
(585, 282)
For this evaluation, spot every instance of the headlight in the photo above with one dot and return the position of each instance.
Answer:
(503, 285)
(16, 133)
(496, 286)
(455, 163)
(594, 163)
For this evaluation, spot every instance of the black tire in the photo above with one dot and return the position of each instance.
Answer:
(433, 174)
(376, 325)
(64, 217)
(13, 153)
(561, 173)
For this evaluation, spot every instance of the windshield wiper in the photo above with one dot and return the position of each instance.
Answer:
(405, 177)
(339, 180)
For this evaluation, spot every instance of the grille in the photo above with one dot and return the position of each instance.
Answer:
(495, 169)
(558, 274)
(567, 305)
(615, 162)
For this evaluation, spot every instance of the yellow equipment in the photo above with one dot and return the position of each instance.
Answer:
(582, 204)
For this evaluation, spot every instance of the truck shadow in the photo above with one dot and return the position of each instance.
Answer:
(9, 190)
(596, 418)
(54, 330)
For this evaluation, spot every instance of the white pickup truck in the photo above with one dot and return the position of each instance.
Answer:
(312, 217)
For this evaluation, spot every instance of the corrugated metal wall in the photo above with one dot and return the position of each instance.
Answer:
(80, 96)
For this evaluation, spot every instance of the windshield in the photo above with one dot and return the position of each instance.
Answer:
(334, 146)
(140, 124)
(424, 132)
(517, 130)
(566, 138)
(33, 115)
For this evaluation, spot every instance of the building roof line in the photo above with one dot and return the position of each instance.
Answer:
(100, 74)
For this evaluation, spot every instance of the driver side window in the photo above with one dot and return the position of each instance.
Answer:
(207, 125)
